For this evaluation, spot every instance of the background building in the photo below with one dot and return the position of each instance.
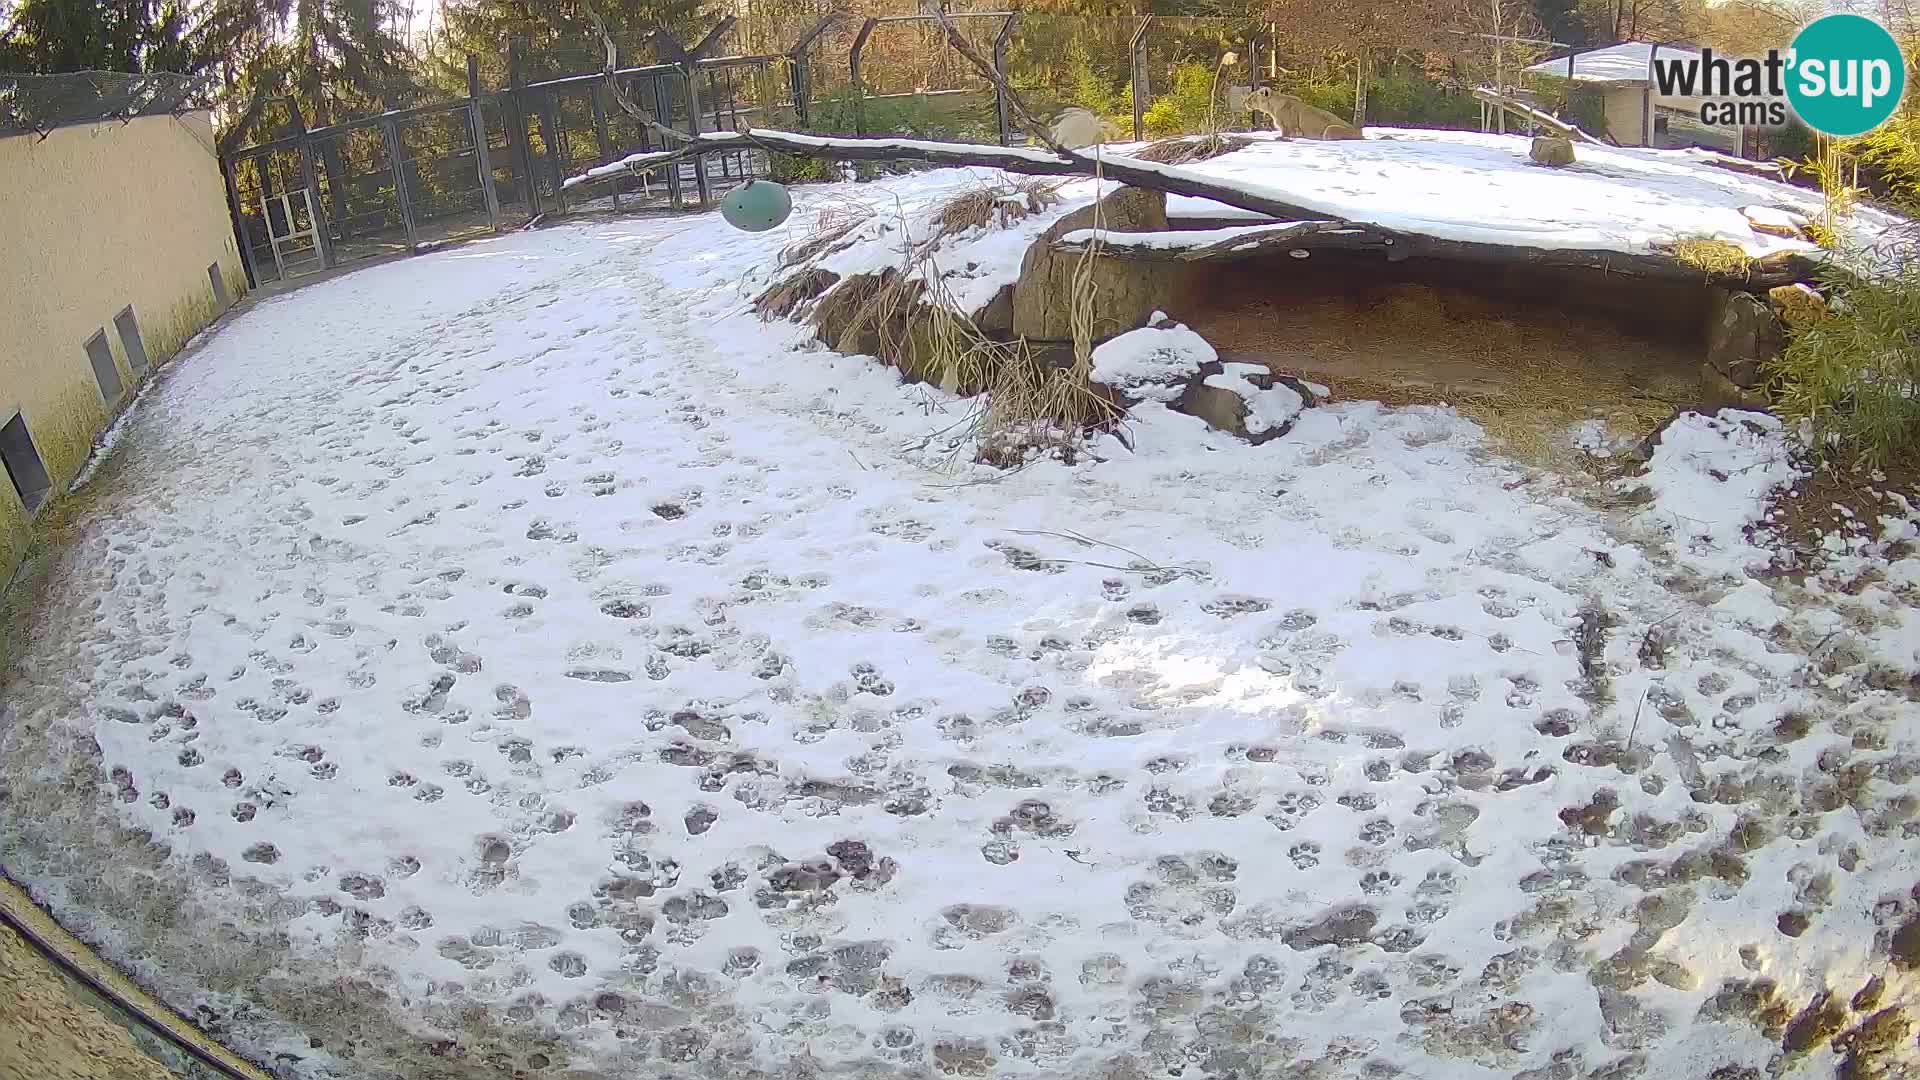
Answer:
(118, 247)
(1635, 112)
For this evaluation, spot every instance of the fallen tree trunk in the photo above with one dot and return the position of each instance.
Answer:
(1528, 112)
(1302, 225)
(1254, 241)
(1027, 161)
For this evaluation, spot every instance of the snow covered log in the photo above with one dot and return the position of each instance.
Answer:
(1027, 161)
(1255, 241)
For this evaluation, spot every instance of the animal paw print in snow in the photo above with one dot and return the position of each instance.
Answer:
(1291, 807)
(867, 680)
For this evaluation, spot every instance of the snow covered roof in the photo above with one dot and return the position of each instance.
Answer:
(1629, 63)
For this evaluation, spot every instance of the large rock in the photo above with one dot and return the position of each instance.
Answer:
(1126, 291)
(1551, 150)
(1245, 400)
(1798, 306)
(996, 319)
(1153, 363)
(1742, 336)
(1718, 392)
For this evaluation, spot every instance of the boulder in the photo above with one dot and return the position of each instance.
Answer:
(1551, 150)
(1774, 221)
(1742, 336)
(1797, 305)
(1154, 363)
(1245, 400)
(1127, 291)
(1718, 392)
(996, 319)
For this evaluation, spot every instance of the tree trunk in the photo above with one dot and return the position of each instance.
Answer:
(1360, 87)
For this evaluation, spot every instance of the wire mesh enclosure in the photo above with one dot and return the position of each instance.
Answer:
(415, 177)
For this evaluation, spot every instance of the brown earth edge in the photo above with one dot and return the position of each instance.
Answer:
(67, 1014)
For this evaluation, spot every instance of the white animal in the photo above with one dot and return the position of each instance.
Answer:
(1076, 127)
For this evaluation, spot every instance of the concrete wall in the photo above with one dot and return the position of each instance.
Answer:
(93, 218)
(1626, 114)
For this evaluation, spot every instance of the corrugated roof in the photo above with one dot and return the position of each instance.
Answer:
(1628, 62)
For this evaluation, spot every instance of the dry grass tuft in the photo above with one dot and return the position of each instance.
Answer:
(997, 205)
(1711, 255)
(792, 293)
(1026, 402)
(1185, 149)
(829, 228)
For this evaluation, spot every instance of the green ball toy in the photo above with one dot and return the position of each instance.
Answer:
(756, 206)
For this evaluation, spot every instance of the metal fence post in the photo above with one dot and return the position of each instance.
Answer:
(797, 78)
(692, 77)
(1253, 72)
(1000, 69)
(556, 151)
(516, 102)
(397, 165)
(1138, 51)
(239, 221)
(601, 135)
(482, 156)
(322, 235)
(665, 116)
(853, 73)
(801, 56)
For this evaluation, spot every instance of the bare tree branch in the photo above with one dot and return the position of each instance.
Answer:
(985, 67)
(620, 98)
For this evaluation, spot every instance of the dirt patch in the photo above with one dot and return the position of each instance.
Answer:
(49, 1029)
(1527, 359)
(1837, 500)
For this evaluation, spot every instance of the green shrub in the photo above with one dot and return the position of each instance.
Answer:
(790, 169)
(940, 117)
(1184, 108)
(1405, 97)
(1890, 160)
(1096, 93)
(1855, 374)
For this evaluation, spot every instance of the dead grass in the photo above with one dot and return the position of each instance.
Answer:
(1711, 255)
(828, 230)
(998, 205)
(793, 293)
(907, 317)
(1185, 149)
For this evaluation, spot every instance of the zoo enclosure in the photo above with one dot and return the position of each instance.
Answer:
(411, 178)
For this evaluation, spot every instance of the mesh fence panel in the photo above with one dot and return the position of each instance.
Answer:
(41, 103)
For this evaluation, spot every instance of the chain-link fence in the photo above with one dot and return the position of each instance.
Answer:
(36, 104)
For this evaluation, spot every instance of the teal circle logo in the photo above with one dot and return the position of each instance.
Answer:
(1847, 75)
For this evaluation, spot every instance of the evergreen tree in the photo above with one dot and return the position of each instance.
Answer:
(560, 35)
(49, 36)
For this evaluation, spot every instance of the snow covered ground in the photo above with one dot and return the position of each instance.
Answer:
(520, 658)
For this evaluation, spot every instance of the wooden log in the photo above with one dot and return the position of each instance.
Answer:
(1316, 228)
(1248, 242)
